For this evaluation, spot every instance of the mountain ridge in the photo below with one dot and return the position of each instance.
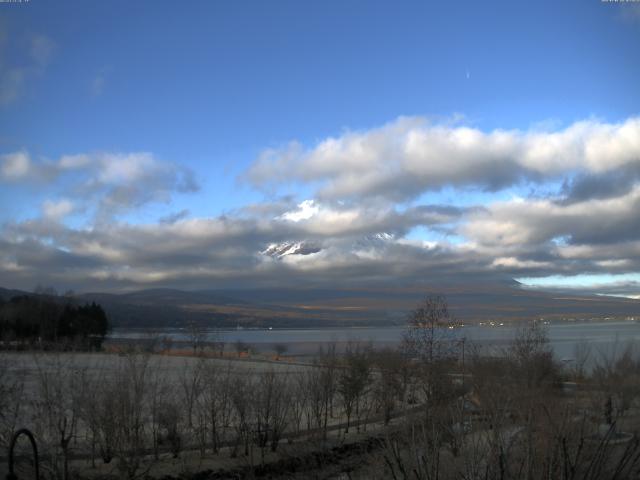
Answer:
(308, 307)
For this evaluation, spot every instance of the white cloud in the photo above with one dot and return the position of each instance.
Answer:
(409, 156)
(111, 183)
(304, 211)
(359, 226)
(522, 222)
(74, 162)
(513, 263)
(125, 168)
(57, 210)
(15, 166)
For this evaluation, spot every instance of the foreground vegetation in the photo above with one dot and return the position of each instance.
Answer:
(433, 409)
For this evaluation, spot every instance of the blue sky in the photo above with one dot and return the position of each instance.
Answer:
(218, 112)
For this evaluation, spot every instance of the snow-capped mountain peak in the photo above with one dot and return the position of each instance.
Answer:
(280, 250)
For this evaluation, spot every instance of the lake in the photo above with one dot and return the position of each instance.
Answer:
(605, 338)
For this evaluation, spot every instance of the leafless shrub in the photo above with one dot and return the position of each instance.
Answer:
(169, 423)
(617, 375)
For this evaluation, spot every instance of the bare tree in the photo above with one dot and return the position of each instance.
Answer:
(616, 374)
(167, 344)
(322, 383)
(157, 399)
(270, 410)
(582, 352)
(354, 380)
(415, 451)
(89, 410)
(242, 401)
(99, 410)
(299, 402)
(217, 401)
(218, 341)
(392, 381)
(427, 336)
(197, 334)
(12, 399)
(169, 423)
(532, 357)
(241, 347)
(280, 349)
(57, 407)
(128, 391)
(191, 386)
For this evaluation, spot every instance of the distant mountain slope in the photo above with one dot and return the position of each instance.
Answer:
(468, 303)
(7, 293)
(326, 307)
(473, 302)
(168, 296)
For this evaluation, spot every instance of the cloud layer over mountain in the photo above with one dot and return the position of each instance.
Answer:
(407, 202)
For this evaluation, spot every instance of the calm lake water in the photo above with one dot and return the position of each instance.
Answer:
(605, 338)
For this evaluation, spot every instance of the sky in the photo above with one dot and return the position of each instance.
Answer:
(233, 144)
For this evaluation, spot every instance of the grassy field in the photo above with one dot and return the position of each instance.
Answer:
(359, 412)
(43, 388)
